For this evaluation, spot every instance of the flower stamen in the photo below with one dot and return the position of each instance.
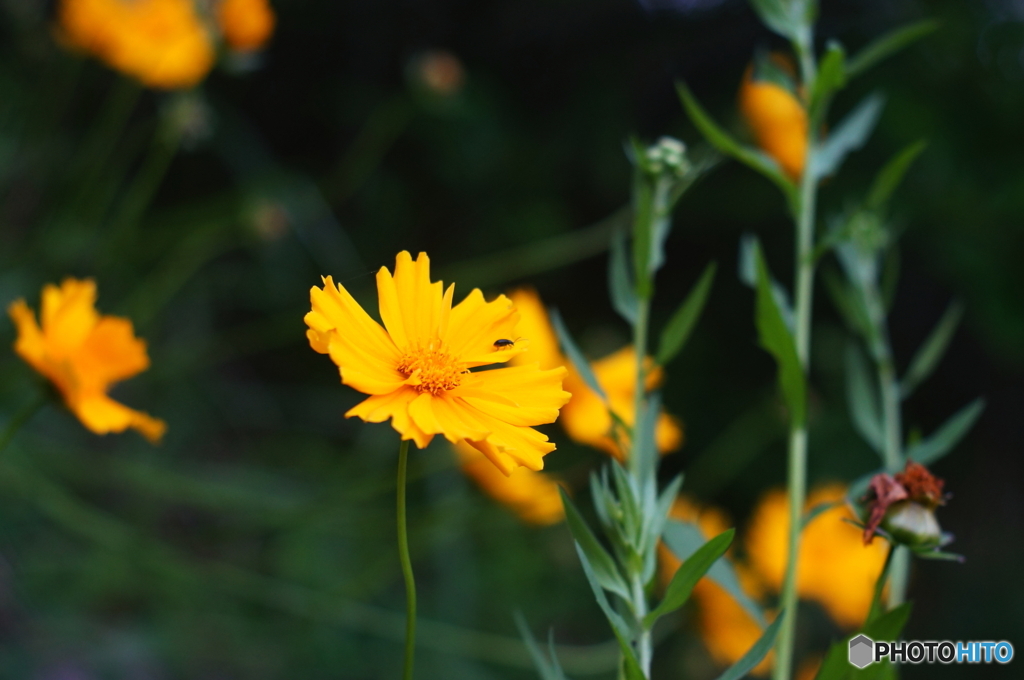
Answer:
(431, 369)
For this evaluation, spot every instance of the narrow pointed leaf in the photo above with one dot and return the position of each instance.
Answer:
(930, 353)
(862, 399)
(605, 571)
(755, 654)
(684, 539)
(691, 571)
(620, 282)
(887, 45)
(776, 338)
(849, 135)
(942, 441)
(892, 174)
(849, 304)
(547, 669)
(679, 327)
(831, 77)
(619, 626)
(722, 141)
(579, 362)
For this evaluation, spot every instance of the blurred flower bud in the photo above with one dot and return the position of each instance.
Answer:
(769, 100)
(439, 72)
(913, 525)
(667, 155)
(903, 506)
(269, 220)
(187, 117)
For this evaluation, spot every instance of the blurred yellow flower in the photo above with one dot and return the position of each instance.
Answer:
(162, 43)
(725, 627)
(246, 24)
(83, 354)
(586, 418)
(416, 368)
(777, 118)
(835, 569)
(533, 496)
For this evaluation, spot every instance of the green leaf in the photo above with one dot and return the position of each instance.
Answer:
(679, 327)
(789, 18)
(849, 135)
(892, 174)
(942, 441)
(721, 140)
(862, 399)
(886, 628)
(684, 539)
(620, 282)
(877, 607)
(776, 338)
(930, 353)
(691, 571)
(831, 77)
(887, 45)
(605, 571)
(547, 669)
(623, 633)
(756, 653)
(579, 362)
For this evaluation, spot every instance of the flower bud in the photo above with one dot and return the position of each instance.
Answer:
(913, 525)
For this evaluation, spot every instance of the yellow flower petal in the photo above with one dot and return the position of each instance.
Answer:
(533, 496)
(778, 120)
(519, 395)
(83, 354)
(246, 24)
(417, 367)
(535, 327)
(835, 569)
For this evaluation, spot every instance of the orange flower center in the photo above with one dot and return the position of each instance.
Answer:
(431, 369)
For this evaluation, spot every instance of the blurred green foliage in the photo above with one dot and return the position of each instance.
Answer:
(257, 541)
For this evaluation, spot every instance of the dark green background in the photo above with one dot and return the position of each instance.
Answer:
(236, 549)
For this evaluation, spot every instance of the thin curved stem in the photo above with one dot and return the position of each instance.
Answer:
(403, 555)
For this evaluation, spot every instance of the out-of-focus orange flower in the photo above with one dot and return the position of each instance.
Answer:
(777, 118)
(161, 43)
(416, 367)
(726, 628)
(586, 418)
(246, 24)
(83, 354)
(533, 496)
(835, 568)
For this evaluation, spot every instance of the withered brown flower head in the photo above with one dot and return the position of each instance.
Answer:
(921, 485)
(915, 485)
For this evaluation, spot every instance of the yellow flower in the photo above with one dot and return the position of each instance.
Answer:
(531, 495)
(83, 354)
(777, 118)
(416, 368)
(246, 24)
(586, 418)
(161, 43)
(726, 628)
(835, 568)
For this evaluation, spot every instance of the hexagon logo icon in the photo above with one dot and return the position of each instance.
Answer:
(862, 650)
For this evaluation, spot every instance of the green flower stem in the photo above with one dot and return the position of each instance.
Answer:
(645, 649)
(403, 554)
(892, 426)
(797, 471)
(640, 346)
(20, 418)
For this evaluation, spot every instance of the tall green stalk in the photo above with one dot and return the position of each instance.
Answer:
(796, 479)
(403, 555)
